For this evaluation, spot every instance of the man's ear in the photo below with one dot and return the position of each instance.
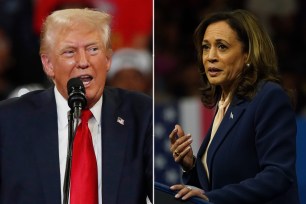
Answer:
(47, 65)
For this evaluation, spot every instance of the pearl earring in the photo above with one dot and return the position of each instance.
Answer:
(248, 64)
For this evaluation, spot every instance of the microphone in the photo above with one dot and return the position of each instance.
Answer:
(76, 96)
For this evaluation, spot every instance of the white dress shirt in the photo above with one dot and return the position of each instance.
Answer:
(94, 124)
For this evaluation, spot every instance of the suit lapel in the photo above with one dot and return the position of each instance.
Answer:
(200, 167)
(44, 138)
(233, 114)
(114, 136)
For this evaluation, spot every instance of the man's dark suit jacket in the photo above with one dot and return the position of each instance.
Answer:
(29, 155)
(252, 156)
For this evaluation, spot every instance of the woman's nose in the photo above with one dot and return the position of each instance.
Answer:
(212, 55)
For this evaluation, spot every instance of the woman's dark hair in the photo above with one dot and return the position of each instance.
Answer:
(261, 62)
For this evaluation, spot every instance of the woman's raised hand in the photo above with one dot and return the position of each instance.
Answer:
(180, 146)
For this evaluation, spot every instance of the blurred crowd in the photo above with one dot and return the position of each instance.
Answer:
(175, 63)
(176, 73)
(20, 24)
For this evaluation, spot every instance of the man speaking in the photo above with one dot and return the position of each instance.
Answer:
(112, 148)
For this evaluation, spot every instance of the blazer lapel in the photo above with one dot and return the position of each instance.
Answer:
(44, 138)
(233, 114)
(114, 136)
(200, 167)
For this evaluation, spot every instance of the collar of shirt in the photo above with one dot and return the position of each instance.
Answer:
(63, 109)
(96, 110)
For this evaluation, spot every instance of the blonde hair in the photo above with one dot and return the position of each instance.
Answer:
(62, 20)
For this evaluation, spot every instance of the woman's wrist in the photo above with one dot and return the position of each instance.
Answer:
(186, 169)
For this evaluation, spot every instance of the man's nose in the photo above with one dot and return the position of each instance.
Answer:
(82, 60)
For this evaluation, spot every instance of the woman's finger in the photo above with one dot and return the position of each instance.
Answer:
(180, 143)
(183, 154)
(172, 136)
(181, 193)
(177, 187)
(195, 192)
(180, 131)
(184, 143)
(179, 156)
(185, 192)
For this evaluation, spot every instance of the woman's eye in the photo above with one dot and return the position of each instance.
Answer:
(205, 47)
(222, 47)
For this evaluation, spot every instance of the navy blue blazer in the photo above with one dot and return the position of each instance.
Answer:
(252, 156)
(29, 157)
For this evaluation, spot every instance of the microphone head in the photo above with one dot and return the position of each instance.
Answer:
(73, 83)
(76, 93)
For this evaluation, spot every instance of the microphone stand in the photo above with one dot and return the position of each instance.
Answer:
(73, 121)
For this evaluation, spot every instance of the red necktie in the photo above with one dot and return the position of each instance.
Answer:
(84, 173)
